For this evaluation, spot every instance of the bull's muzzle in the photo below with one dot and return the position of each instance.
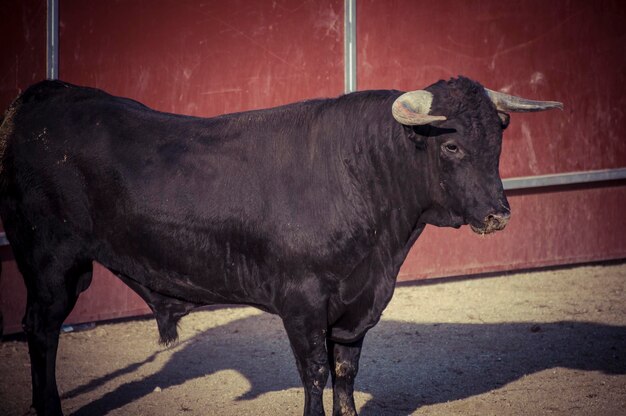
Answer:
(492, 223)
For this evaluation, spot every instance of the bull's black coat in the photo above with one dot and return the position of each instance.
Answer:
(306, 210)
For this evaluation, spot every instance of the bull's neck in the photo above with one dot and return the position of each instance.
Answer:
(390, 168)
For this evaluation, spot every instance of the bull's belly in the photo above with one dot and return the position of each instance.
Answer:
(204, 262)
(202, 278)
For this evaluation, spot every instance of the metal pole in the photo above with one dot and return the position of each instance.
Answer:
(350, 45)
(53, 40)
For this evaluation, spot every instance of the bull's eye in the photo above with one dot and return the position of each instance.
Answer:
(451, 147)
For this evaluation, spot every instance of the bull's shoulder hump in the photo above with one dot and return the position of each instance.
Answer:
(66, 94)
(45, 89)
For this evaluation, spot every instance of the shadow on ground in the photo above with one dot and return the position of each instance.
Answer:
(441, 362)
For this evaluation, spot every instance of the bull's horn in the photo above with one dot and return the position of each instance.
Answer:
(511, 103)
(412, 108)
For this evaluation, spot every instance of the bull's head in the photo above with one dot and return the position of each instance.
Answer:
(460, 124)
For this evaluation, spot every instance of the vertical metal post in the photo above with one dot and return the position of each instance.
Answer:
(52, 64)
(350, 45)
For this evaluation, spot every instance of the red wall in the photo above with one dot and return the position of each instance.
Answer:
(23, 47)
(572, 52)
(569, 51)
(554, 226)
(205, 57)
(210, 57)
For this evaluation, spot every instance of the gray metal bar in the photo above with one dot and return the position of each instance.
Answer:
(3, 240)
(572, 178)
(350, 45)
(53, 40)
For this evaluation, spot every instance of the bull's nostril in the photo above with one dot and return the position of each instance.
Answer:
(497, 221)
(499, 217)
(492, 219)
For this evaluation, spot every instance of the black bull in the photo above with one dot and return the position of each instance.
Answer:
(306, 210)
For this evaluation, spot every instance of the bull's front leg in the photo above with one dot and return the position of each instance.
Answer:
(344, 365)
(307, 337)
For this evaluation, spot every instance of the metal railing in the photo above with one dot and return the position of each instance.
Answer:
(560, 179)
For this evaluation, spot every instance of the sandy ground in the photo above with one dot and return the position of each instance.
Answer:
(542, 343)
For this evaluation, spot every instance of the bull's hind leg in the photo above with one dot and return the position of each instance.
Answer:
(344, 365)
(53, 283)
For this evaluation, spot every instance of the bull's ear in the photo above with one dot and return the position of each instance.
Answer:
(417, 135)
(412, 108)
(504, 119)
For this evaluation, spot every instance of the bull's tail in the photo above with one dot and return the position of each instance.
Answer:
(6, 128)
(2, 192)
(1, 320)
(6, 131)
(4, 137)
(2, 147)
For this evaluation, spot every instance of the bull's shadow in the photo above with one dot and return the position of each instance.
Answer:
(444, 362)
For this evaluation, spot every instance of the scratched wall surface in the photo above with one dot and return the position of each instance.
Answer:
(210, 57)
(574, 52)
(23, 47)
(205, 57)
(554, 226)
(570, 51)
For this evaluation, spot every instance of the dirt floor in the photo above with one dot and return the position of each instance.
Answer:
(542, 343)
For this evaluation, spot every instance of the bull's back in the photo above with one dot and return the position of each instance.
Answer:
(60, 136)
